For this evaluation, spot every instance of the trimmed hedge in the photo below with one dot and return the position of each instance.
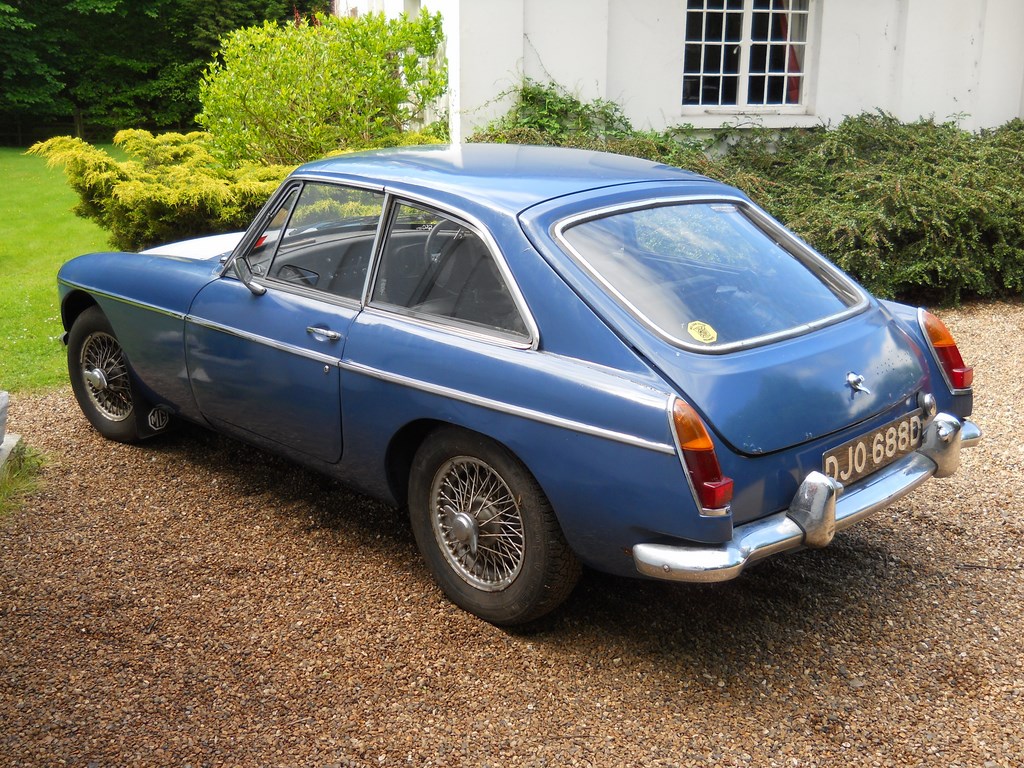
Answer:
(921, 211)
(294, 92)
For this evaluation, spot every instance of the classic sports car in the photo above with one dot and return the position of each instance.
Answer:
(553, 357)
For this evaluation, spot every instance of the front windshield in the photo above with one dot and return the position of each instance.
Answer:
(706, 275)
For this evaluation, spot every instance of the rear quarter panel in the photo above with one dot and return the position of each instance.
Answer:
(596, 439)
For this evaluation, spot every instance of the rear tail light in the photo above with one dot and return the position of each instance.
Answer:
(957, 374)
(713, 489)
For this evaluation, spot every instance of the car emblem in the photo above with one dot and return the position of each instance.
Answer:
(158, 419)
(856, 382)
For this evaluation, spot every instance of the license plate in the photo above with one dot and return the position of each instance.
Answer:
(868, 453)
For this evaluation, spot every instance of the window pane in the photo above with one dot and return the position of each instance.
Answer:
(755, 90)
(758, 59)
(706, 264)
(776, 90)
(734, 27)
(730, 90)
(777, 56)
(759, 27)
(712, 59)
(329, 239)
(714, 27)
(694, 27)
(691, 89)
(439, 267)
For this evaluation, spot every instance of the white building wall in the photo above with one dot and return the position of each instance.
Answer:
(913, 58)
(947, 59)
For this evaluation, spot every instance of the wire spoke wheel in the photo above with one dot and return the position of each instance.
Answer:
(101, 377)
(477, 523)
(106, 376)
(486, 529)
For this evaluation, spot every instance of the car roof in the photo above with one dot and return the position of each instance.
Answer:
(509, 177)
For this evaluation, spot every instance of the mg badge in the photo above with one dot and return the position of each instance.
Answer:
(158, 419)
(856, 382)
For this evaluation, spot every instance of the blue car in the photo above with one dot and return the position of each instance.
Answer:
(551, 357)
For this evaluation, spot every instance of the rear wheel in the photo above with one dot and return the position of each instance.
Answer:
(100, 378)
(487, 531)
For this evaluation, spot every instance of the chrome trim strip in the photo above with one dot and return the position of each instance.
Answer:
(507, 408)
(820, 266)
(820, 508)
(267, 342)
(125, 300)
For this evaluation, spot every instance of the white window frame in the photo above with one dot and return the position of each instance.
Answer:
(742, 106)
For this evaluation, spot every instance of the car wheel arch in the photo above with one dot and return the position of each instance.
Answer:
(400, 452)
(406, 442)
(74, 304)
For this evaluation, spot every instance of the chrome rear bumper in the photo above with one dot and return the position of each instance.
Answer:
(820, 508)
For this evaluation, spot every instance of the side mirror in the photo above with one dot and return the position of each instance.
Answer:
(244, 272)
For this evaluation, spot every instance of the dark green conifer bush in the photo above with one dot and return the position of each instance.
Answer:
(922, 211)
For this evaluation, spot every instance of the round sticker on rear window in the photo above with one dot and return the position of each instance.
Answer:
(702, 332)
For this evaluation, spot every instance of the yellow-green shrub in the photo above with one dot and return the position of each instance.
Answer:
(170, 188)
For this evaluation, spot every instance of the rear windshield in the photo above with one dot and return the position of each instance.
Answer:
(707, 275)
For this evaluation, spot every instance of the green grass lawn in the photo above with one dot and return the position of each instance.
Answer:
(38, 233)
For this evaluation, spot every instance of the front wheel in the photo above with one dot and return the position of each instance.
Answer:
(100, 378)
(487, 531)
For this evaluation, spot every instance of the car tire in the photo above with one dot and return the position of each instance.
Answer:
(100, 377)
(486, 529)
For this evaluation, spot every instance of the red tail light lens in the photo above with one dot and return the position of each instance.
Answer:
(958, 375)
(714, 490)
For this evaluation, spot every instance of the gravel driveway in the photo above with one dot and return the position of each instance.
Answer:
(196, 602)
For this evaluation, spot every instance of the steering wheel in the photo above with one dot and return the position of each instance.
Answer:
(445, 228)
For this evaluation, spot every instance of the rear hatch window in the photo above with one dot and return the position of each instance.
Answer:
(709, 275)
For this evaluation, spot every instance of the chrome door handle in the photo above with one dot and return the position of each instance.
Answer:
(327, 333)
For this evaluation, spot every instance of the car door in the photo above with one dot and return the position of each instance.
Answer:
(265, 358)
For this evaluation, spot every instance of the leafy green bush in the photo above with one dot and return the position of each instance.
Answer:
(556, 115)
(921, 211)
(171, 188)
(548, 114)
(287, 94)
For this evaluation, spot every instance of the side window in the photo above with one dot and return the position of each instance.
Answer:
(321, 238)
(262, 251)
(439, 267)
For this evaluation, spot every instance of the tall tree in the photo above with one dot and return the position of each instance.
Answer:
(112, 64)
(28, 84)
